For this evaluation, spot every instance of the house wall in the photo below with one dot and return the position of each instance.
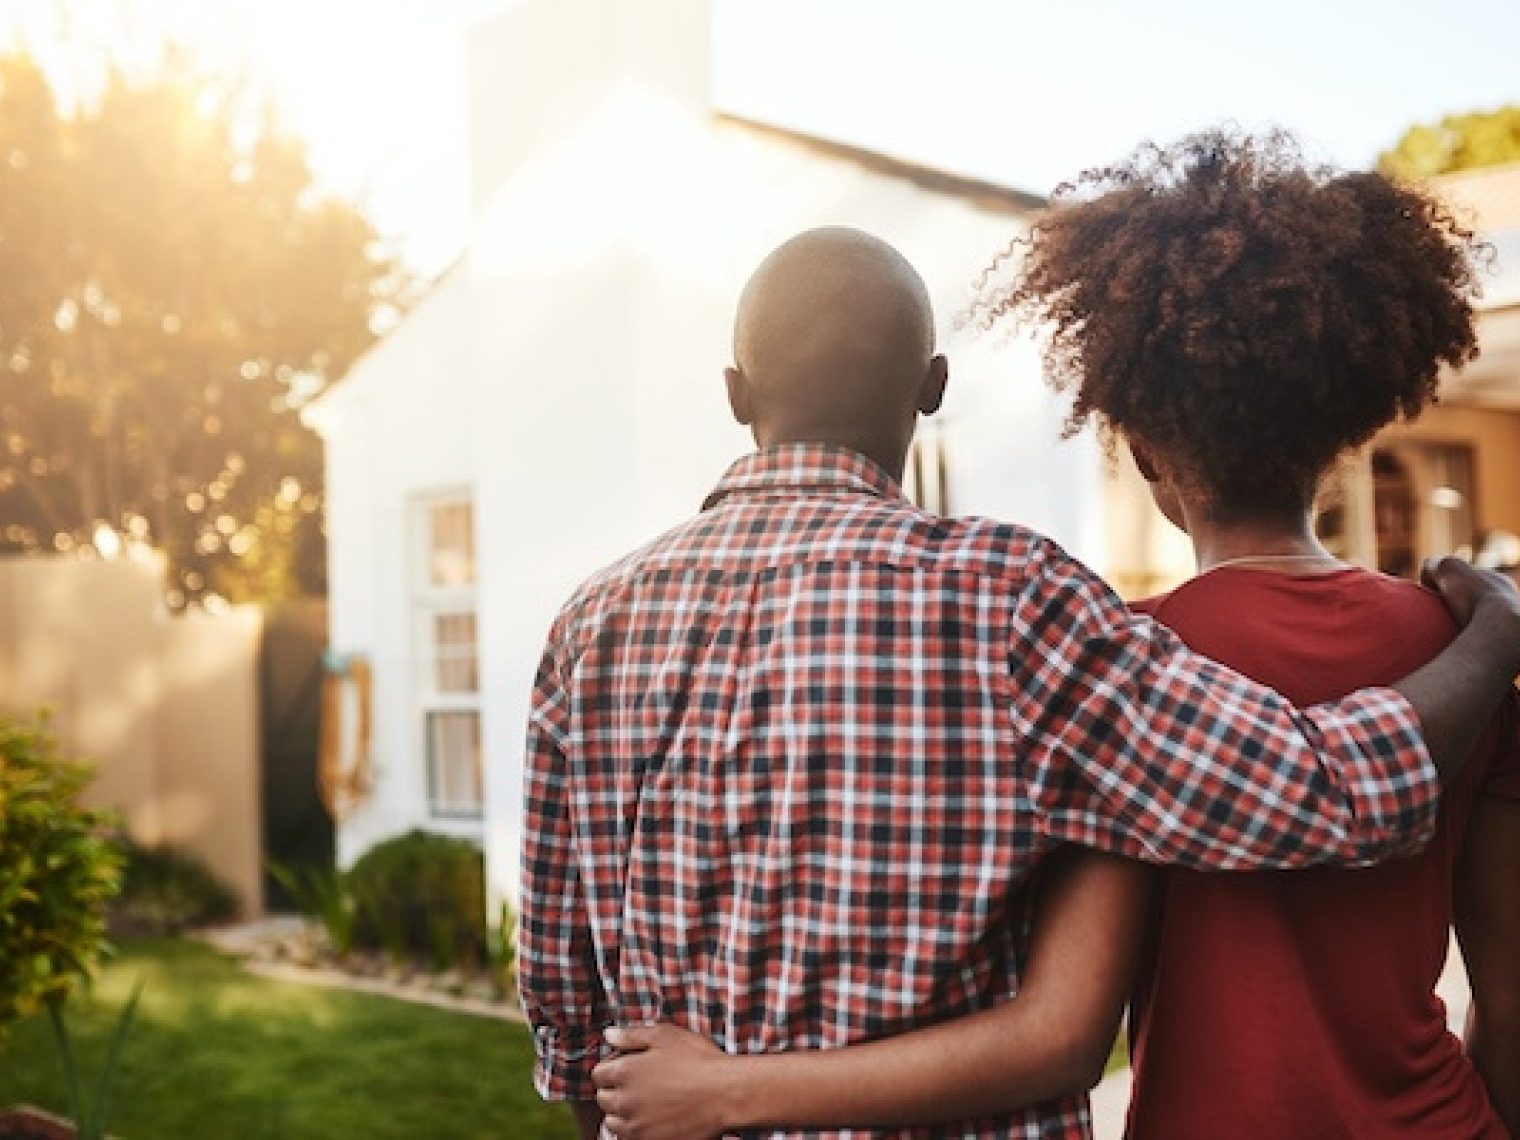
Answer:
(399, 427)
(164, 707)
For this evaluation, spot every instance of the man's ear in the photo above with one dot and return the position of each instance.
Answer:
(740, 398)
(931, 393)
(1148, 469)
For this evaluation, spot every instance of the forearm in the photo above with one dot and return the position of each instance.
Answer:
(1456, 694)
(588, 1118)
(1050, 1040)
(987, 1063)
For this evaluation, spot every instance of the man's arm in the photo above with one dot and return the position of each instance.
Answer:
(1051, 1040)
(1456, 693)
(1488, 926)
(1134, 744)
(557, 973)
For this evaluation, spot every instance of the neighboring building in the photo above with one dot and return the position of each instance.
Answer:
(558, 400)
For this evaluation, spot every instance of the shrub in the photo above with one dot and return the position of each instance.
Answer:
(422, 896)
(322, 894)
(58, 872)
(167, 890)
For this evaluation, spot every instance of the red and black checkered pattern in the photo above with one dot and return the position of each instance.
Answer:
(791, 767)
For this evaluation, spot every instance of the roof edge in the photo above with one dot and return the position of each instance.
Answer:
(988, 195)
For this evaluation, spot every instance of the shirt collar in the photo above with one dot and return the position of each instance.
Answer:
(795, 467)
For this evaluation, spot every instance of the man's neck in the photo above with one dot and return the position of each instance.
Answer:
(890, 457)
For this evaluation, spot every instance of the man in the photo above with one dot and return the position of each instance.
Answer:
(791, 766)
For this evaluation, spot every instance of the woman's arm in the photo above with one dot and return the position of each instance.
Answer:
(1052, 1040)
(1488, 927)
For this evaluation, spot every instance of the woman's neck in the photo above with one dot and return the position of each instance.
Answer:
(1287, 544)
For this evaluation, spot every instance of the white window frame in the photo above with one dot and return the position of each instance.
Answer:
(430, 602)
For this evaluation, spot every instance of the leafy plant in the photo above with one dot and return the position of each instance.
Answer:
(167, 890)
(91, 1111)
(324, 895)
(502, 949)
(1458, 142)
(443, 941)
(419, 893)
(57, 875)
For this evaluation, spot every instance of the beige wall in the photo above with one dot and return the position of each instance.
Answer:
(164, 707)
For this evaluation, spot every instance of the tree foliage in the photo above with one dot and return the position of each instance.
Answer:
(1457, 142)
(175, 288)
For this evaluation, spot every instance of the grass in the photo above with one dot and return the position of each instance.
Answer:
(216, 1053)
(1118, 1058)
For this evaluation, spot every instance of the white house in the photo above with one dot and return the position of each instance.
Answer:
(557, 399)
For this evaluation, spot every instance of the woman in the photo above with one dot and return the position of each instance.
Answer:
(1240, 321)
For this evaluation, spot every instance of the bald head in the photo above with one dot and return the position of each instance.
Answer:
(834, 342)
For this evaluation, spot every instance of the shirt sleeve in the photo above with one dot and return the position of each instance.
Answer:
(1137, 745)
(1503, 778)
(560, 986)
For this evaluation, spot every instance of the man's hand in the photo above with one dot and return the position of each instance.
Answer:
(1468, 590)
(1455, 694)
(665, 1084)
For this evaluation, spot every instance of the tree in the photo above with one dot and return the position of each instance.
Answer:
(1457, 142)
(174, 289)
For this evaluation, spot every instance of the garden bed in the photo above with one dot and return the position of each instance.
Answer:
(297, 950)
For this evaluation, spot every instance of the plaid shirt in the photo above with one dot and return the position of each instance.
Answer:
(792, 766)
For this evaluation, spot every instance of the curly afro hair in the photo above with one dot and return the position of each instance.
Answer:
(1243, 315)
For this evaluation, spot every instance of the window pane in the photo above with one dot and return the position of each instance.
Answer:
(454, 780)
(451, 543)
(455, 664)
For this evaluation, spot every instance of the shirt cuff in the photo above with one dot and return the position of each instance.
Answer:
(1391, 781)
(565, 1061)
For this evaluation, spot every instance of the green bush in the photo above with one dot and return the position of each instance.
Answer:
(421, 896)
(58, 872)
(167, 890)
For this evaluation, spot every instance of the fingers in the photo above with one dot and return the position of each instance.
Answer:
(1435, 572)
(607, 1074)
(631, 1038)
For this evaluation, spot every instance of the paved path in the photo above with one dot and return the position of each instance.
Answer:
(1110, 1098)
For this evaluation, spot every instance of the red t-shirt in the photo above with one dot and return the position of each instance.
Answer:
(1301, 1005)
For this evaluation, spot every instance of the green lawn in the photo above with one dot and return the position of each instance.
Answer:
(217, 1053)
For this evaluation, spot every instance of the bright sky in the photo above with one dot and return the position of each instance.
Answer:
(1015, 91)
